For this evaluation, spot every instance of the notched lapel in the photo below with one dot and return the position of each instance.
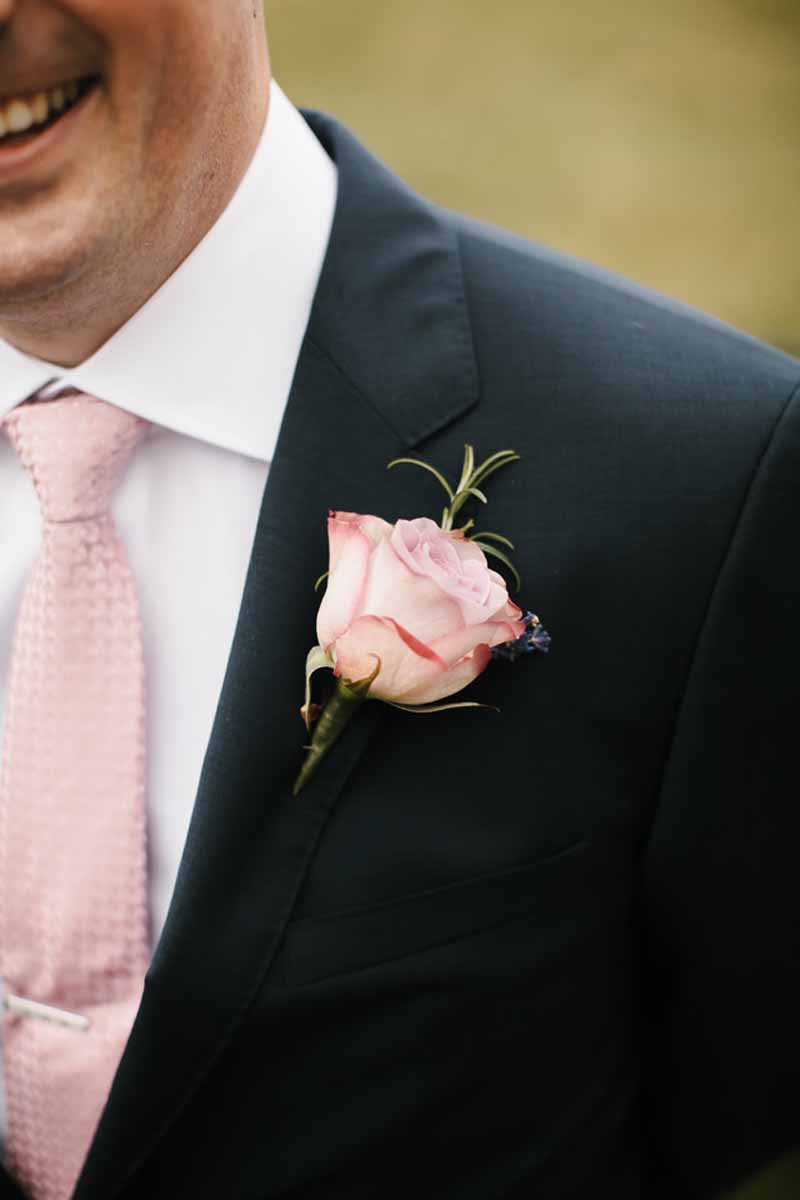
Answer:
(386, 361)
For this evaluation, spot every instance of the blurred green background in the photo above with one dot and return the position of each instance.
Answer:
(660, 138)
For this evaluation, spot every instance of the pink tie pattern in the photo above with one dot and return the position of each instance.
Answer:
(73, 919)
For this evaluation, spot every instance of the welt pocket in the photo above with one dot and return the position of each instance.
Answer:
(317, 947)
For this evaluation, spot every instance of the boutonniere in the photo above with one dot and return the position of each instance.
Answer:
(412, 612)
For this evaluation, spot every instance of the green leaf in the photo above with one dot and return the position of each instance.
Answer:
(461, 499)
(503, 459)
(434, 708)
(493, 458)
(495, 553)
(467, 469)
(316, 659)
(485, 533)
(473, 491)
(324, 575)
(417, 462)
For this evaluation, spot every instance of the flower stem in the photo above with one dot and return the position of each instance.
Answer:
(331, 723)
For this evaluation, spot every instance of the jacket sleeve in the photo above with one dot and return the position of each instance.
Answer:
(720, 883)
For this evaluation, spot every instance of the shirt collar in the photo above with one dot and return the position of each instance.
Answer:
(213, 352)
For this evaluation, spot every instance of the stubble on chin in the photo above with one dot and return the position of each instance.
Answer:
(66, 264)
(42, 258)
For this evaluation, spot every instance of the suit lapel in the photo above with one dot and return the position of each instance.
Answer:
(386, 361)
(8, 1188)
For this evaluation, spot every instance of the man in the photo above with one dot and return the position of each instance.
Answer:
(549, 952)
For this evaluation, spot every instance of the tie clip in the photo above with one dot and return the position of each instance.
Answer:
(20, 1007)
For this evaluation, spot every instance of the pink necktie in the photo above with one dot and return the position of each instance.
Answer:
(73, 920)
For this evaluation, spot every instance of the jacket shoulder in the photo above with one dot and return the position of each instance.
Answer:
(584, 320)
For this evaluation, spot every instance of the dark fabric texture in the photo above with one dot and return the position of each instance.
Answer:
(548, 952)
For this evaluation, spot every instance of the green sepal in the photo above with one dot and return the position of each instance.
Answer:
(332, 721)
(316, 659)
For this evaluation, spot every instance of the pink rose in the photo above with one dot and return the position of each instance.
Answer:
(422, 599)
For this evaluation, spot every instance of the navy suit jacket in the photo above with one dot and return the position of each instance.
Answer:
(549, 952)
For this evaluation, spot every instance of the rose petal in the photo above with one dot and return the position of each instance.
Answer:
(454, 646)
(414, 601)
(455, 564)
(511, 612)
(452, 681)
(374, 528)
(349, 551)
(407, 537)
(410, 673)
(404, 659)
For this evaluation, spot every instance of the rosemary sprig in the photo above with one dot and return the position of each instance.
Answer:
(467, 489)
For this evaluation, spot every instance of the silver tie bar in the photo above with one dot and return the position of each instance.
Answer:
(20, 1007)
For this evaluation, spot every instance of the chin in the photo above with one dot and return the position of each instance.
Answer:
(33, 268)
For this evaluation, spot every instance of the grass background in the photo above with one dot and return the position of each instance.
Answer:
(660, 138)
(656, 137)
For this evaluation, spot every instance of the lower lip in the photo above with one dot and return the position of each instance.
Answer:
(16, 159)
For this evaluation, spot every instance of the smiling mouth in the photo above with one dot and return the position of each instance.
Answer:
(23, 118)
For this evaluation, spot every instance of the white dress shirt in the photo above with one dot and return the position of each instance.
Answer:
(209, 359)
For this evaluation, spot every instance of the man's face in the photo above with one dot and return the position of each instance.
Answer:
(144, 105)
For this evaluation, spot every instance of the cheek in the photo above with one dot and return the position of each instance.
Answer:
(163, 79)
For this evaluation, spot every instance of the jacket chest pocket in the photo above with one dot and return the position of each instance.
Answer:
(316, 948)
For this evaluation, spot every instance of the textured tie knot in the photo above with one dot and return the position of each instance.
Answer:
(75, 448)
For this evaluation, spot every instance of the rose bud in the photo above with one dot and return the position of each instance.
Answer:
(421, 599)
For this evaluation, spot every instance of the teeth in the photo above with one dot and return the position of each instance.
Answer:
(19, 116)
(40, 107)
(20, 113)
